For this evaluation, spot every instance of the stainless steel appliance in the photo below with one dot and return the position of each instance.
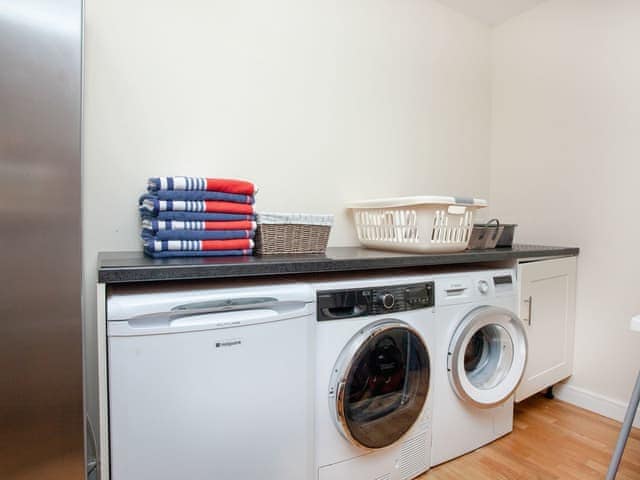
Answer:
(41, 387)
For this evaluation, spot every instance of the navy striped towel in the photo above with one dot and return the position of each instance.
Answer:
(196, 234)
(195, 216)
(197, 195)
(210, 253)
(153, 206)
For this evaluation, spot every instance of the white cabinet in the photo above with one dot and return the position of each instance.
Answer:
(548, 309)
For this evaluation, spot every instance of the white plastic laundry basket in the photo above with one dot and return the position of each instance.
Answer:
(416, 224)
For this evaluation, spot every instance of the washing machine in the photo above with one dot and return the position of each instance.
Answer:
(481, 362)
(375, 347)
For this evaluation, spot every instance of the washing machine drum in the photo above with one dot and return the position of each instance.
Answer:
(381, 382)
(487, 356)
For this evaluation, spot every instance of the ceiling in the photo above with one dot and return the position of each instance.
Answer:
(492, 12)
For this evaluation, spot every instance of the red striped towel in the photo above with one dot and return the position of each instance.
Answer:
(226, 185)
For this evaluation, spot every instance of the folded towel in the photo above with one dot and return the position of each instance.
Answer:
(153, 206)
(196, 234)
(198, 195)
(159, 225)
(210, 253)
(201, 183)
(195, 216)
(197, 245)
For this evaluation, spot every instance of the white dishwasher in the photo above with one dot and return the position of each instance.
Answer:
(211, 382)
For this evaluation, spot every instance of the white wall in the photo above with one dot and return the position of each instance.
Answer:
(318, 102)
(566, 167)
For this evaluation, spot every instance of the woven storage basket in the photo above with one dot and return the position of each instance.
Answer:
(286, 233)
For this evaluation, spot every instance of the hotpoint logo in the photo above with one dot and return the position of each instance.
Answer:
(229, 343)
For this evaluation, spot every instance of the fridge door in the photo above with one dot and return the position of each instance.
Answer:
(41, 388)
(223, 396)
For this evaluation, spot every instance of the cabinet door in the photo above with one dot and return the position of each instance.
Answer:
(548, 310)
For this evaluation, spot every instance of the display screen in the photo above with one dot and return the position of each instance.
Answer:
(503, 280)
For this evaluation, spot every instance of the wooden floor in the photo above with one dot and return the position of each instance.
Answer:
(551, 440)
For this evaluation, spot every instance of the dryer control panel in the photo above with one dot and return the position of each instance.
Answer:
(360, 302)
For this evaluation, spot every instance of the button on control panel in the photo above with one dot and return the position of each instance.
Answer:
(387, 300)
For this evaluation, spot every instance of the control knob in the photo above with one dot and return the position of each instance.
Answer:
(387, 300)
(483, 286)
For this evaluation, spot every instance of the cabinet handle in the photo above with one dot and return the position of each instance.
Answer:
(529, 301)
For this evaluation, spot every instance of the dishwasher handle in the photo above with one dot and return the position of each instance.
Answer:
(228, 304)
(213, 306)
(198, 317)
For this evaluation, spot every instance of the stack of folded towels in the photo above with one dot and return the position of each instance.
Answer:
(197, 217)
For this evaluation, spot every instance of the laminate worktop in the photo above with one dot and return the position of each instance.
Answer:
(129, 267)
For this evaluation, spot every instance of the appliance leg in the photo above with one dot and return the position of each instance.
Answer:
(624, 431)
(549, 393)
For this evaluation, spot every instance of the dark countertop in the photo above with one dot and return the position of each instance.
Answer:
(128, 267)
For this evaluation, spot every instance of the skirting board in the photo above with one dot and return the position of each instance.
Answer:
(594, 402)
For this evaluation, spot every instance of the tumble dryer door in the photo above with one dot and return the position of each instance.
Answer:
(487, 356)
(380, 384)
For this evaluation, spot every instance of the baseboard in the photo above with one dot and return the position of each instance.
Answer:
(594, 402)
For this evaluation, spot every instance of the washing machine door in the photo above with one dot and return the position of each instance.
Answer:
(487, 356)
(380, 384)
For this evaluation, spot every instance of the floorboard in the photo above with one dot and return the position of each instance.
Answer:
(551, 440)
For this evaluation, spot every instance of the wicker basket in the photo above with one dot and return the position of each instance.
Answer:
(287, 233)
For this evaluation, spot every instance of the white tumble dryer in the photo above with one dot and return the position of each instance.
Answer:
(481, 361)
(375, 345)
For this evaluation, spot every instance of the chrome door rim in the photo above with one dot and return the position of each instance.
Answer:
(472, 322)
(345, 363)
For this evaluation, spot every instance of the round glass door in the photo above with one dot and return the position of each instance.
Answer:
(382, 380)
(487, 356)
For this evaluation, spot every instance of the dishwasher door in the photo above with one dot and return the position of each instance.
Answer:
(215, 390)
